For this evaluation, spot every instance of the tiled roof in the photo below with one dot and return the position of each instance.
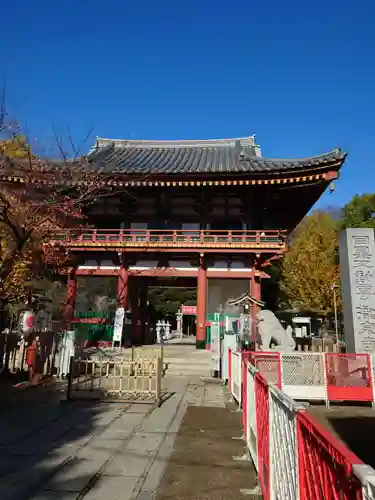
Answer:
(221, 156)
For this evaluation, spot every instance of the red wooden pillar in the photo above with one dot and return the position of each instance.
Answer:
(201, 305)
(255, 289)
(123, 288)
(71, 298)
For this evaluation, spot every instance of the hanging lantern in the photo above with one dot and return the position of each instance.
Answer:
(26, 323)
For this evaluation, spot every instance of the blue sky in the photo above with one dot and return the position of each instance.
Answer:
(300, 75)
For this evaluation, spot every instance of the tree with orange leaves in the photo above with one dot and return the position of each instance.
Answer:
(38, 197)
(310, 268)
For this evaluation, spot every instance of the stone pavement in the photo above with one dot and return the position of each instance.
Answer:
(206, 462)
(51, 449)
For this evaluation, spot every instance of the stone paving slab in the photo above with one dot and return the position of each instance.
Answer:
(202, 465)
(104, 452)
(129, 465)
(112, 488)
(145, 443)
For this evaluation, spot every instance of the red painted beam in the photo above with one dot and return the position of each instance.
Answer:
(169, 272)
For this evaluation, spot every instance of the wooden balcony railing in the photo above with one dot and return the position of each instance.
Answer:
(171, 239)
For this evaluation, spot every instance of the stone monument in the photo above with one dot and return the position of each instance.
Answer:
(357, 266)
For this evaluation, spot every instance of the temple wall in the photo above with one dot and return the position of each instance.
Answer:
(221, 291)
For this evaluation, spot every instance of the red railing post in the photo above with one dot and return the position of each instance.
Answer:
(244, 395)
(263, 434)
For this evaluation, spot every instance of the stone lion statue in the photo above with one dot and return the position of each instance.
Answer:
(270, 328)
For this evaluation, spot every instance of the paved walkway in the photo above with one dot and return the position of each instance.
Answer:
(56, 450)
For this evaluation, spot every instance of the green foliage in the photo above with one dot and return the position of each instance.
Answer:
(360, 212)
(49, 296)
(97, 293)
(167, 300)
(271, 285)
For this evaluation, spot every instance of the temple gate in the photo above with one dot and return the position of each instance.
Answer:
(214, 213)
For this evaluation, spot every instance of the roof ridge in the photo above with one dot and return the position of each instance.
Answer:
(337, 151)
(244, 141)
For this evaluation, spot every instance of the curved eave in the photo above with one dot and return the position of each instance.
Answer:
(121, 181)
(308, 170)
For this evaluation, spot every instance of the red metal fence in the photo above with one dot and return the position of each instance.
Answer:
(318, 376)
(295, 457)
(244, 395)
(262, 419)
(325, 464)
(349, 377)
(268, 363)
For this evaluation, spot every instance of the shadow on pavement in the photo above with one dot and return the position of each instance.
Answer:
(8, 379)
(358, 433)
(353, 425)
(46, 442)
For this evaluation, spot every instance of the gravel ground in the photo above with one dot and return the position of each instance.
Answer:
(201, 465)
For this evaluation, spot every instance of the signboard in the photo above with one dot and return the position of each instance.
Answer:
(191, 310)
(357, 267)
(215, 346)
(118, 325)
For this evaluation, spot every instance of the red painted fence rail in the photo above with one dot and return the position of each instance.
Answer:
(325, 464)
(296, 458)
(349, 377)
(337, 376)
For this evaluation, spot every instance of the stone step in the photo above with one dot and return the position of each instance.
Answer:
(188, 368)
(191, 366)
(187, 362)
(187, 372)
